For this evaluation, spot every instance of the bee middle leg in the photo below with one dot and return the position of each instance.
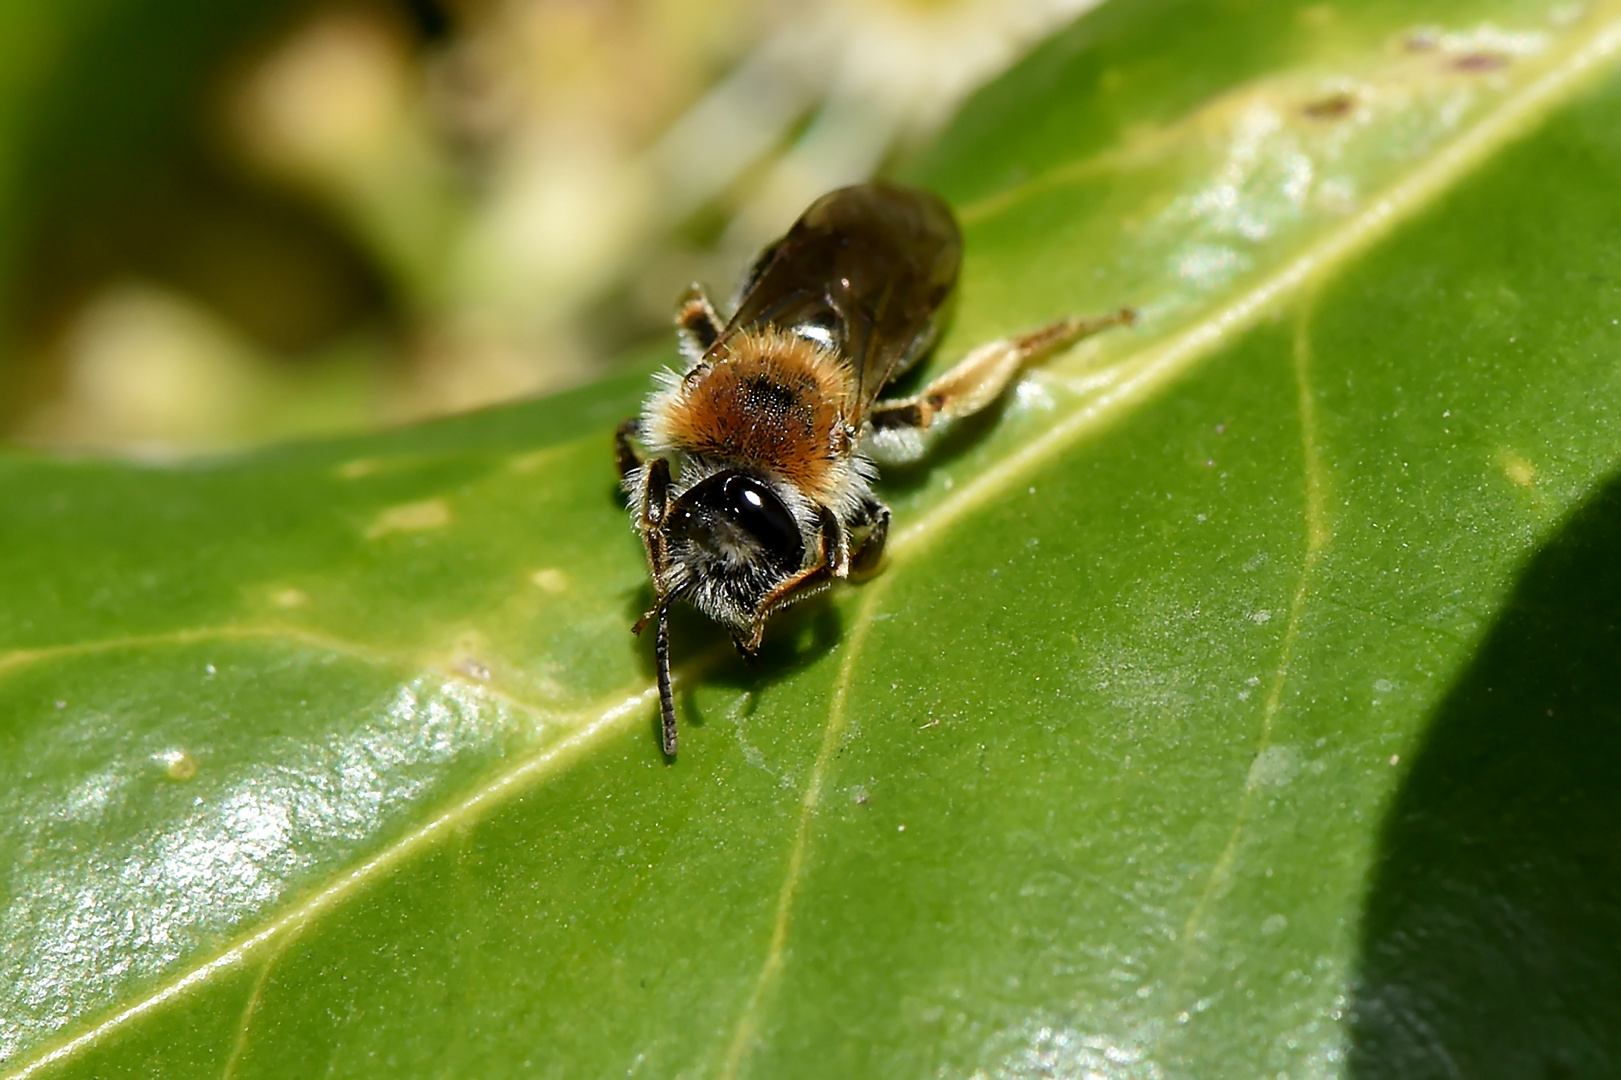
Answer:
(898, 425)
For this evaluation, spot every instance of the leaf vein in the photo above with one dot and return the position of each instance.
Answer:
(838, 719)
(1317, 535)
(240, 1044)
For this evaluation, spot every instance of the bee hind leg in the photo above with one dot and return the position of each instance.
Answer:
(696, 323)
(899, 425)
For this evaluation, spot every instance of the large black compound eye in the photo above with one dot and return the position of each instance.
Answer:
(754, 507)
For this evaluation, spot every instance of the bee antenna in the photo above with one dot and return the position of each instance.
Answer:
(661, 651)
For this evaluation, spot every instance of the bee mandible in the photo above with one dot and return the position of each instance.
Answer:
(750, 473)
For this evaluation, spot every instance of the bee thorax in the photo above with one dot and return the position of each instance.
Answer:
(771, 401)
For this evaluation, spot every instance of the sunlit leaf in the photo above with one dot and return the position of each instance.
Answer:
(1238, 700)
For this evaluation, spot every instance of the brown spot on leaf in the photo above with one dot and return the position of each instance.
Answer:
(1480, 61)
(1332, 107)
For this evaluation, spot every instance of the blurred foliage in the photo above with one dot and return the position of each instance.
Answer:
(240, 221)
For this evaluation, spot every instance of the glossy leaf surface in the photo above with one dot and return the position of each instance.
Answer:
(1238, 700)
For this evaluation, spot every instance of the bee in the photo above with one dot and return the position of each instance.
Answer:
(750, 474)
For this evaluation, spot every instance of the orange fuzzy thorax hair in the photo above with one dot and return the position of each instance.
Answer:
(770, 400)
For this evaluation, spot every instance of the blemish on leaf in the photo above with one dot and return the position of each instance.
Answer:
(410, 517)
(359, 467)
(1275, 766)
(1477, 62)
(1337, 196)
(1519, 471)
(532, 461)
(473, 668)
(1421, 41)
(1317, 16)
(1490, 48)
(177, 764)
(467, 655)
(1332, 107)
(551, 580)
(290, 598)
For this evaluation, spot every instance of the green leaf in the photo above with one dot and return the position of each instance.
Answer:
(1240, 699)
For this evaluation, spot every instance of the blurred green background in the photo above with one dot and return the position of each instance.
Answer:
(232, 221)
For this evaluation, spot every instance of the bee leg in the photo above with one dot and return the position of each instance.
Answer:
(832, 563)
(627, 455)
(898, 425)
(655, 495)
(696, 323)
(661, 652)
(651, 499)
(869, 550)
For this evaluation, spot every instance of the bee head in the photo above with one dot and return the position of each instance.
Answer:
(731, 538)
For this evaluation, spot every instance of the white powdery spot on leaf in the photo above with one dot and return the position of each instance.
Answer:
(1275, 766)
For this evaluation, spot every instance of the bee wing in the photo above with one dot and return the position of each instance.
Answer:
(865, 271)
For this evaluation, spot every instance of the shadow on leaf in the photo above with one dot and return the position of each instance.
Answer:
(701, 651)
(1492, 936)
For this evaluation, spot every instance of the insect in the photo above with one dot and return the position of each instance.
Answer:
(750, 474)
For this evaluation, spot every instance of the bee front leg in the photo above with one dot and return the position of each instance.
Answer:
(748, 645)
(653, 497)
(832, 563)
(696, 323)
(898, 426)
